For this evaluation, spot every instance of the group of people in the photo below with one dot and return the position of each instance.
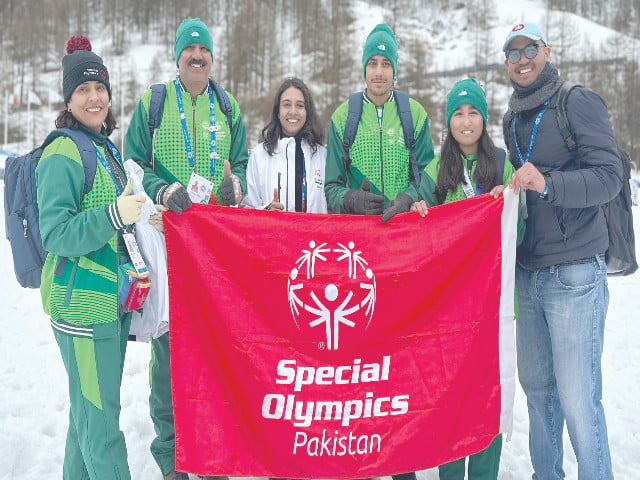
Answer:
(560, 274)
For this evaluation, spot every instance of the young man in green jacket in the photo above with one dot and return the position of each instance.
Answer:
(376, 179)
(189, 147)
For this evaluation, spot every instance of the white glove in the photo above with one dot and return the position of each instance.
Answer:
(129, 206)
(156, 220)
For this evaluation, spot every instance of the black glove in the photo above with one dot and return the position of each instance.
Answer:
(402, 203)
(227, 191)
(230, 189)
(363, 202)
(176, 198)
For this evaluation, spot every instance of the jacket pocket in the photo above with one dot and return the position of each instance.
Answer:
(72, 279)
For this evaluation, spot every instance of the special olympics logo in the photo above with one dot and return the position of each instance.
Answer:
(331, 286)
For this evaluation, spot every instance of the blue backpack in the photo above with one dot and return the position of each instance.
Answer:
(621, 255)
(21, 204)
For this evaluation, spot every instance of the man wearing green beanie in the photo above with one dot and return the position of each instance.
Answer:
(381, 41)
(196, 141)
(375, 176)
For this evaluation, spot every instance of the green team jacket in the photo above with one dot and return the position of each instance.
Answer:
(378, 154)
(429, 179)
(169, 146)
(77, 227)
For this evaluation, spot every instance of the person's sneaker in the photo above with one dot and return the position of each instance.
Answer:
(176, 476)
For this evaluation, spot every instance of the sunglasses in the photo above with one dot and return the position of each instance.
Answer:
(530, 51)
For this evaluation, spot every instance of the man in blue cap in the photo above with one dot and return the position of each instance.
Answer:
(192, 145)
(561, 275)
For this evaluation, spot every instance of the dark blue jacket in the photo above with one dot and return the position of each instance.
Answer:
(569, 224)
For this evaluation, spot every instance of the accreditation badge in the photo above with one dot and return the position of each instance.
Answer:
(199, 189)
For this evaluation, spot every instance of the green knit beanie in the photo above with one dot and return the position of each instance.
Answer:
(192, 30)
(466, 91)
(381, 41)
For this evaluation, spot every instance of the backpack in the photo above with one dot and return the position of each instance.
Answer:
(21, 206)
(621, 255)
(406, 119)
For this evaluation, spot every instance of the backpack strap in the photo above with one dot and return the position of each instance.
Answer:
(501, 156)
(225, 103)
(506, 125)
(406, 119)
(351, 129)
(156, 106)
(560, 104)
(87, 152)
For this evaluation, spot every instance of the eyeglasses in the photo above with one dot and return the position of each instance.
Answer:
(530, 51)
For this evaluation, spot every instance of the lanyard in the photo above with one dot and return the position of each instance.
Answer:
(466, 186)
(212, 128)
(534, 133)
(304, 185)
(106, 166)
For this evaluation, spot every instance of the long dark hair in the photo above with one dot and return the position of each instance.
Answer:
(451, 173)
(311, 131)
(66, 119)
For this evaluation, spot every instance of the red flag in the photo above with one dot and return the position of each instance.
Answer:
(306, 345)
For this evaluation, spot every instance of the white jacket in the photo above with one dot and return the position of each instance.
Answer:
(262, 176)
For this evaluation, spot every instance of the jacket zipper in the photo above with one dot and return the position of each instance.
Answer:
(381, 164)
(194, 102)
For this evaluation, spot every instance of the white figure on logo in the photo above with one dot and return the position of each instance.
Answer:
(353, 257)
(309, 257)
(339, 315)
(294, 301)
(370, 299)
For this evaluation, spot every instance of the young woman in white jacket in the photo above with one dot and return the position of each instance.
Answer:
(286, 171)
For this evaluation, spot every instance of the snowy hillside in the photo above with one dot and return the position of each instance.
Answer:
(431, 41)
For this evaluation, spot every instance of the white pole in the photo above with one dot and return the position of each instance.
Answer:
(121, 94)
(29, 123)
(6, 121)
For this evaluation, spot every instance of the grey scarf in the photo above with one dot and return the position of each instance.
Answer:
(528, 98)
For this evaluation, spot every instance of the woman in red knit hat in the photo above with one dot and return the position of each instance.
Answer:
(82, 231)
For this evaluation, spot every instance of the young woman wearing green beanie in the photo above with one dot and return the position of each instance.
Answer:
(468, 165)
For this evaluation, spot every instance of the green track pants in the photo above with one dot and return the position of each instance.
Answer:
(161, 405)
(483, 465)
(95, 448)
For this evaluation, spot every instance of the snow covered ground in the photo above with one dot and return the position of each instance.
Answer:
(33, 392)
(34, 399)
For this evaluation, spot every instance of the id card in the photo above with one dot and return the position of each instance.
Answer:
(199, 188)
(134, 254)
